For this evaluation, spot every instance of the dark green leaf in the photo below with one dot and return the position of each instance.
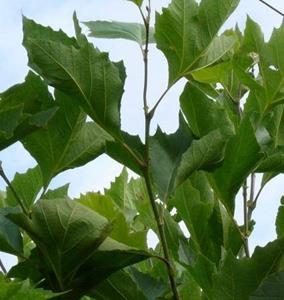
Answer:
(151, 287)
(66, 233)
(67, 141)
(241, 157)
(203, 114)
(202, 154)
(10, 235)
(185, 32)
(24, 108)
(118, 286)
(85, 74)
(272, 288)
(165, 156)
(238, 278)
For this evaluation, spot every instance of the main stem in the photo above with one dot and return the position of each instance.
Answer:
(146, 169)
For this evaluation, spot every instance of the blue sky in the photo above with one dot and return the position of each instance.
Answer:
(58, 14)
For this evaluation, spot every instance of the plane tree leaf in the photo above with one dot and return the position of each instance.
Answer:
(203, 154)
(27, 187)
(120, 30)
(68, 141)
(66, 233)
(118, 286)
(84, 73)
(24, 108)
(10, 236)
(203, 114)
(242, 155)
(16, 290)
(185, 31)
(239, 278)
(271, 288)
(165, 155)
(110, 257)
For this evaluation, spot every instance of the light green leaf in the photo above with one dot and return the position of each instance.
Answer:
(102, 204)
(120, 30)
(27, 187)
(61, 192)
(120, 194)
(185, 31)
(22, 290)
(203, 114)
(241, 158)
(68, 141)
(165, 156)
(24, 108)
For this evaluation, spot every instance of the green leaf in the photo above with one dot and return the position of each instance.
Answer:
(272, 288)
(185, 31)
(202, 154)
(137, 2)
(268, 90)
(151, 287)
(102, 204)
(85, 73)
(120, 30)
(24, 108)
(66, 233)
(121, 195)
(273, 163)
(61, 192)
(241, 158)
(15, 290)
(119, 286)
(27, 187)
(10, 235)
(110, 257)
(196, 210)
(238, 278)
(68, 141)
(165, 156)
(203, 114)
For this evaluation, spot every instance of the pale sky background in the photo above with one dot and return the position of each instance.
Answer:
(99, 173)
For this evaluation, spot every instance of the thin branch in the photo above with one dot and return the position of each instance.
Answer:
(246, 221)
(152, 111)
(3, 267)
(17, 197)
(272, 7)
(253, 202)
